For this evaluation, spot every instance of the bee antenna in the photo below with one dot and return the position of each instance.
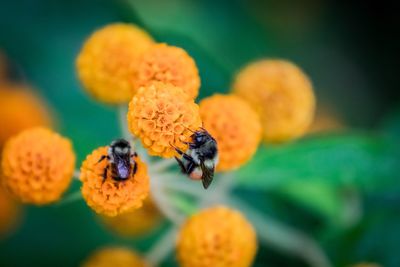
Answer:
(187, 128)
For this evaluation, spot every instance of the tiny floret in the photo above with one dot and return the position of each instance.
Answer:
(235, 126)
(37, 165)
(217, 236)
(168, 64)
(283, 96)
(163, 118)
(114, 256)
(106, 195)
(107, 60)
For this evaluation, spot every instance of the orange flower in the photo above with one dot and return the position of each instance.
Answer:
(161, 115)
(10, 212)
(168, 64)
(37, 165)
(107, 61)
(112, 197)
(137, 222)
(235, 126)
(217, 236)
(282, 94)
(20, 109)
(114, 257)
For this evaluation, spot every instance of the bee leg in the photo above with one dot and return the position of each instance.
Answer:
(103, 157)
(134, 154)
(105, 174)
(134, 169)
(181, 165)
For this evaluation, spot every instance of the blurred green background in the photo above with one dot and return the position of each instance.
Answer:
(350, 55)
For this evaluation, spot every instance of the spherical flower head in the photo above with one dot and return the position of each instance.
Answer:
(37, 165)
(162, 117)
(110, 197)
(10, 212)
(217, 236)
(20, 109)
(168, 64)
(106, 62)
(235, 126)
(114, 257)
(282, 94)
(137, 222)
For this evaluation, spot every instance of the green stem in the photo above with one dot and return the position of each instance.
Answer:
(162, 248)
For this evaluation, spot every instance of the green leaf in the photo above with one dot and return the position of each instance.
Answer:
(358, 160)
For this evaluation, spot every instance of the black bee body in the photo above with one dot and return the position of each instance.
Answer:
(121, 160)
(199, 161)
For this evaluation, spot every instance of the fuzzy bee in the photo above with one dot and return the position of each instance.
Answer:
(121, 160)
(199, 161)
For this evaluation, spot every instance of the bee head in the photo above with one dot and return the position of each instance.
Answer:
(121, 147)
(200, 137)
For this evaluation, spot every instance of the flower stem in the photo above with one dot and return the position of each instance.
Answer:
(162, 248)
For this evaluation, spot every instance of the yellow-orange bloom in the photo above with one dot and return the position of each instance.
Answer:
(10, 212)
(161, 116)
(112, 197)
(114, 257)
(107, 61)
(282, 94)
(137, 222)
(38, 165)
(217, 236)
(20, 109)
(168, 64)
(235, 126)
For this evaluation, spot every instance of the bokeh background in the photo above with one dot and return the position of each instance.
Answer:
(349, 50)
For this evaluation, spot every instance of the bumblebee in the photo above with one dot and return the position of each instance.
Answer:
(201, 158)
(121, 160)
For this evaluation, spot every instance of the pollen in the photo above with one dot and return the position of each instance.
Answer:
(135, 223)
(20, 109)
(37, 165)
(163, 118)
(107, 60)
(217, 236)
(110, 197)
(114, 256)
(234, 125)
(168, 64)
(283, 96)
(10, 213)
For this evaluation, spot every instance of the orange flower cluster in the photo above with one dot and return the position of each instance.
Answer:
(162, 117)
(114, 256)
(20, 109)
(37, 165)
(137, 222)
(282, 94)
(108, 59)
(217, 236)
(235, 126)
(168, 64)
(110, 197)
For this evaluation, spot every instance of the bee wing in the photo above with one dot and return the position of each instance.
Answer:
(208, 174)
